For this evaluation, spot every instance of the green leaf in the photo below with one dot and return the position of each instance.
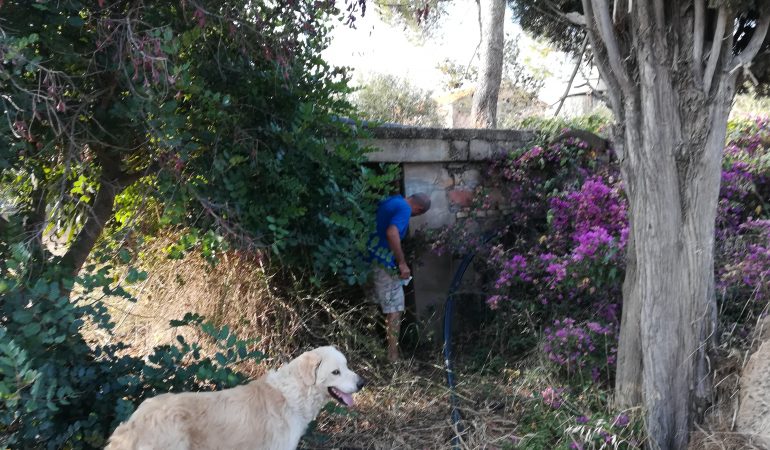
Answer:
(76, 21)
(31, 329)
(22, 315)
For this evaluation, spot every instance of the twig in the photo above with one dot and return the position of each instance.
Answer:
(574, 73)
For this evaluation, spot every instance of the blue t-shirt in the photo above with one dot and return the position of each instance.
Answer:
(394, 210)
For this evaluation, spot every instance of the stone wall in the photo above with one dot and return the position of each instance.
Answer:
(446, 164)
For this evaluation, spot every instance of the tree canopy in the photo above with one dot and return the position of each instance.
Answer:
(219, 114)
(561, 23)
(388, 98)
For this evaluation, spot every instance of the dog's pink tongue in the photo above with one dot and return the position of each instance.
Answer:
(347, 398)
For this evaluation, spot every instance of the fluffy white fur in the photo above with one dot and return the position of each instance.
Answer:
(270, 413)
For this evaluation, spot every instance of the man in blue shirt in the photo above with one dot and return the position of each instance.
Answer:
(391, 273)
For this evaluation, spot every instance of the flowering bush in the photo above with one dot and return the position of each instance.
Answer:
(564, 418)
(552, 397)
(557, 256)
(587, 348)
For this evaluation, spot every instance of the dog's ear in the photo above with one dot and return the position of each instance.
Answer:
(308, 364)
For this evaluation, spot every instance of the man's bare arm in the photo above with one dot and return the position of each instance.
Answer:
(394, 242)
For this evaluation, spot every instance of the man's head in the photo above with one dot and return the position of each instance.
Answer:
(419, 202)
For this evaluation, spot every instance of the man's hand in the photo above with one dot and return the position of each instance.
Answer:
(404, 271)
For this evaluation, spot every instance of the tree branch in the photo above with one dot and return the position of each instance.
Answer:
(699, 29)
(572, 77)
(601, 13)
(599, 54)
(716, 44)
(111, 183)
(101, 212)
(754, 45)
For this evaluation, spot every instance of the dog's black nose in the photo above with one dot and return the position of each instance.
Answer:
(362, 382)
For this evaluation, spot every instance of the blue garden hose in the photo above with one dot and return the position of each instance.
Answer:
(449, 307)
(448, 315)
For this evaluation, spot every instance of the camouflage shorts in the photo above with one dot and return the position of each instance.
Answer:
(388, 291)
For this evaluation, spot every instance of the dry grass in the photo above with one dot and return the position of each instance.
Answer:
(405, 406)
(718, 431)
(237, 292)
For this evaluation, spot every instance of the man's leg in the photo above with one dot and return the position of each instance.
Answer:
(393, 330)
(390, 295)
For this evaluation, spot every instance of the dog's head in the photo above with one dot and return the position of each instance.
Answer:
(327, 369)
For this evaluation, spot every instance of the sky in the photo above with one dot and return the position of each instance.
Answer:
(376, 47)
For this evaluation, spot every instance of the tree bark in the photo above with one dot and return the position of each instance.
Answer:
(628, 377)
(112, 182)
(101, 212)
(671, 107)
(484, 107)
(669, 300)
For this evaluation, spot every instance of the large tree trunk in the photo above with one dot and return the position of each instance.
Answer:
(672, 171)
(669, 303)
(484, 108)
(670, 90)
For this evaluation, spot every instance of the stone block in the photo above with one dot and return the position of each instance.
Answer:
(460, 197)
(471, 178)
(482, 150)
(433, 180)
(409, 150)
(432, 277)
(458, 151)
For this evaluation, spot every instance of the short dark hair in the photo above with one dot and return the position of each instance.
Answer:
(421, 199)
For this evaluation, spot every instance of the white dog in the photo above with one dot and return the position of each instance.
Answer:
(270, 413)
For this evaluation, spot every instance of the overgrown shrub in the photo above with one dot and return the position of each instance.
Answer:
(218, 118)
(569, 418)
(556, 263)
(60, 391)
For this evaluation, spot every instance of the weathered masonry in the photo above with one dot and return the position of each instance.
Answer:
(446, 164)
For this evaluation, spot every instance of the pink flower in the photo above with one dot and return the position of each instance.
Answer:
(552, 397)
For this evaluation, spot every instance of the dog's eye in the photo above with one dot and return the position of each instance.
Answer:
(336, 372)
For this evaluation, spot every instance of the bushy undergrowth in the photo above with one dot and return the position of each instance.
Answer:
(60, 391)
(217, 120)
(555, 266)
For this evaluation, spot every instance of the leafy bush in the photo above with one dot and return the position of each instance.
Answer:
(216, 118)
(570, 418)
(219, 116)
(57, 389)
